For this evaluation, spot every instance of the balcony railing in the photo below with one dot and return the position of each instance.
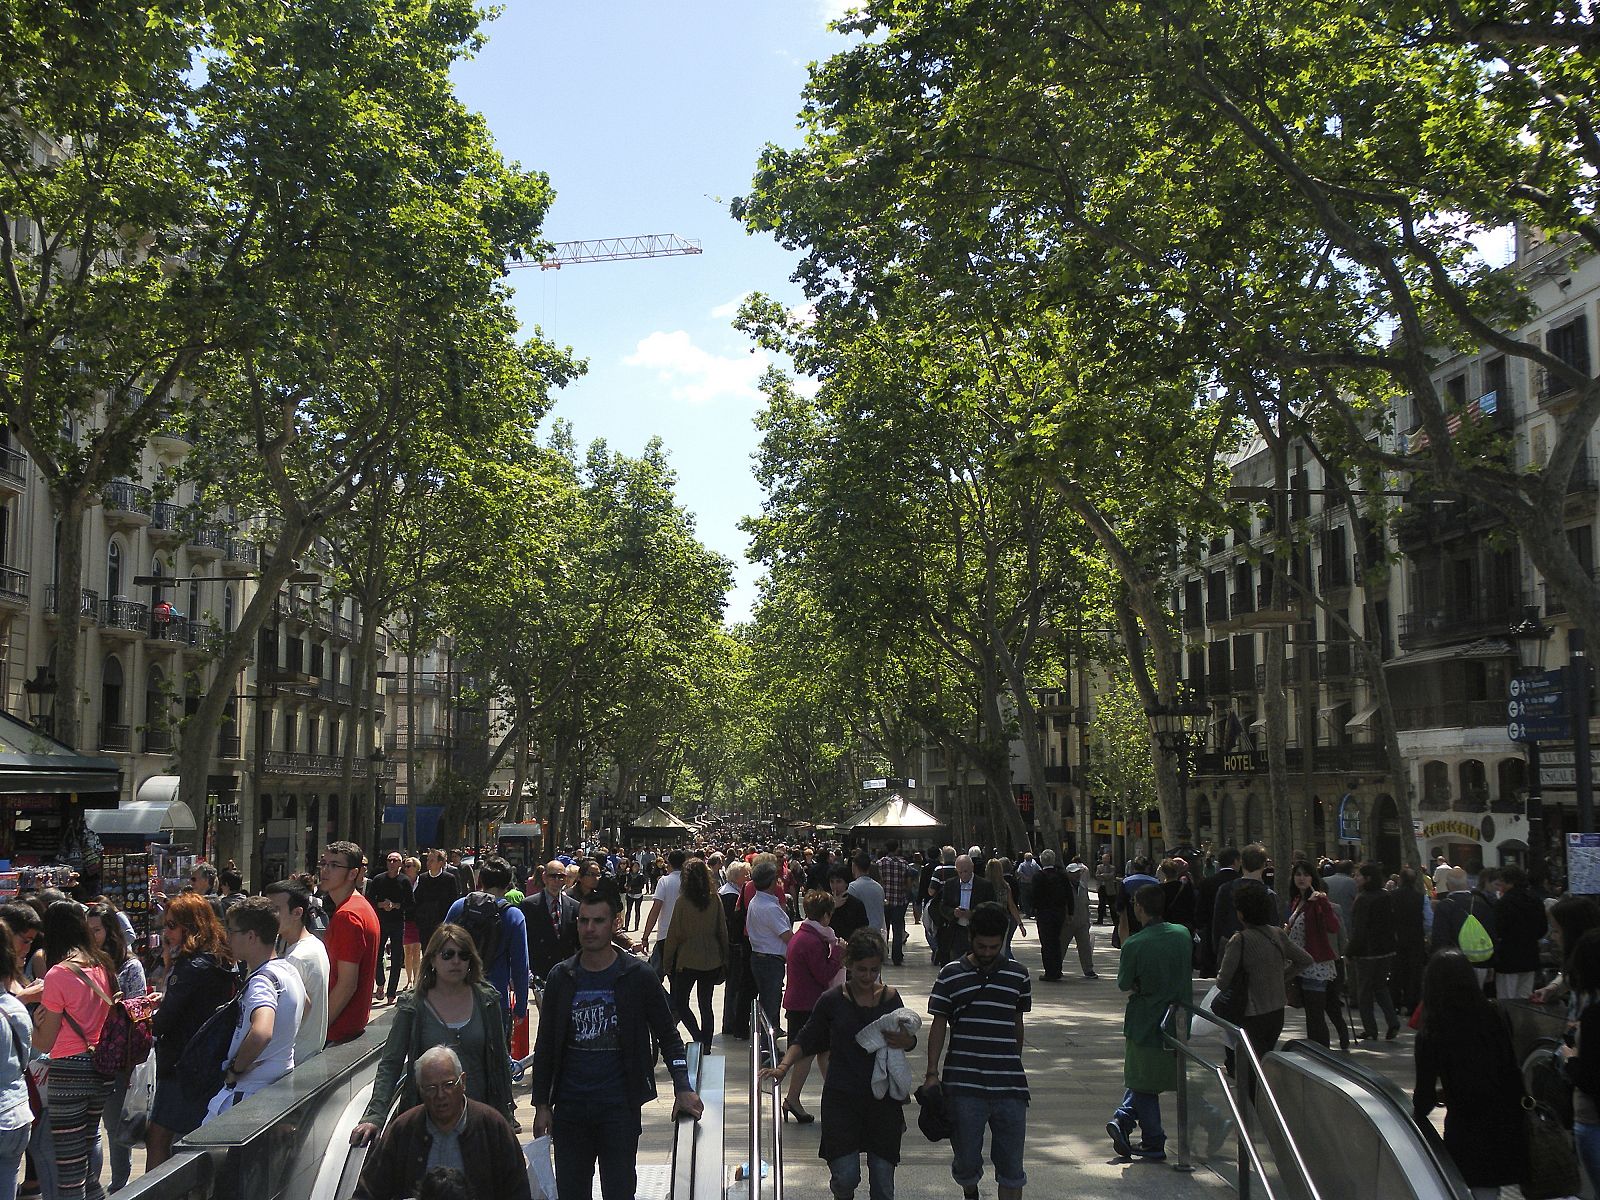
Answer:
(115, 737)
(1337, 662)
(1194, 617)
(293, 762)
(123, 496)
(157, 741)
(211, 538)
(13, 585)
(1216, 608)
(1452, 714)
(1242, 602)
(166, 517)
(88, 602)
(242, 553)
(228, 745)
(423, 685)
(1462, 621)
(124, 614)
(1333, 574)
(1244, 680)
(13, 467)
(1553, 389)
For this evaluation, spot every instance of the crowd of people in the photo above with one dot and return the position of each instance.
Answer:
(612, 952)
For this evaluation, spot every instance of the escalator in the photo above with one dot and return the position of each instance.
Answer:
(1303, 1123)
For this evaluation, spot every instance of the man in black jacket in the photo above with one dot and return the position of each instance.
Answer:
(552, 920)
(958, 896)
(391, 898)
(1227, 872)
(435, 892)
(603, 1014)
(1519, 924)
(1052, 902)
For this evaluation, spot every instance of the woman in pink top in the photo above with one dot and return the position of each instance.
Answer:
(78, 990)
(814, 958)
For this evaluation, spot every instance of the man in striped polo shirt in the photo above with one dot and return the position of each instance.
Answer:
(977, 1004)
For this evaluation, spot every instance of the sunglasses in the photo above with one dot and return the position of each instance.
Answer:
(450, 954)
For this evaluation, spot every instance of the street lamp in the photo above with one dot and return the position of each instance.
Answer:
(375, 764)
(1532, 638)
(41, 691)
(1180, 730)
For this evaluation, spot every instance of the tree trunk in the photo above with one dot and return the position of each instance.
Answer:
(411, 729)
(67, 720)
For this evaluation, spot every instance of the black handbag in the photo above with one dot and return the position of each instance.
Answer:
(1552, 1156)
(1233, 1001)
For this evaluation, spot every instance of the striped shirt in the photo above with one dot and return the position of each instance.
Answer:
(981, 1010)
(892, 874)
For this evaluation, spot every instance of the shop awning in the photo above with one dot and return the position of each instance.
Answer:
(158, 789)
(32, 763)
(142, 819)
(656, 817)
(1368, 710)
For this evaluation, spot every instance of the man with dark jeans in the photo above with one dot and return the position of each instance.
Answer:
(892, 875)
(602, 1017)
(390, 897)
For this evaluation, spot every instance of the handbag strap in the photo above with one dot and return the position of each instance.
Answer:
(95, 987)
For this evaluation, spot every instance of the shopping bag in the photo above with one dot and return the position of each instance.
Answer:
(136, 1102)
(541, 1169)
(1206, 1033)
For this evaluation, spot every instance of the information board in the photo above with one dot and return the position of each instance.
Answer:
(1583, 864)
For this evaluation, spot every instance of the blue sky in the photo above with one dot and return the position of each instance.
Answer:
(648, 117)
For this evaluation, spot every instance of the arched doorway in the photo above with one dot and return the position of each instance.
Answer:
(1473, 795)
(1203, 832)
(1385, 839)
(1254, 819)
(1436, 785)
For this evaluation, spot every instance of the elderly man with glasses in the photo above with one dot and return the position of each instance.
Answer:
(351, 941)
(445, 1130)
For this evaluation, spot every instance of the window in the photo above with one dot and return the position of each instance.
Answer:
(114, 569)
(111, 691)
(1570, 343)
(1455, 391)
(227, 611)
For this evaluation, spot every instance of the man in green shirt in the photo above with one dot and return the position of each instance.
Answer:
(1156, 971)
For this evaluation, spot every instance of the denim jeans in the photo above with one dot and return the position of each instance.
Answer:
(13, 1144)
(584, 1133)
(1143, 1108)
(1006, 1118)
(1587, 1138)
(768, 970)
(844, 1176)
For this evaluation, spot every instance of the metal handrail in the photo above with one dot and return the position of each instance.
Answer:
(1177, 1035)
(764, 1037)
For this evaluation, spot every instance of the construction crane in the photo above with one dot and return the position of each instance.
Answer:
(649, 245)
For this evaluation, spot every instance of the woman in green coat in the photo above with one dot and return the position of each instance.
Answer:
(1155, 971)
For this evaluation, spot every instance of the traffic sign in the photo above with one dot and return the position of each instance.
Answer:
(1545, 704)
(1539, 729)
(1523, 686)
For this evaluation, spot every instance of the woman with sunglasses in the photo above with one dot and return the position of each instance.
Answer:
(451, 1006)
(200, 979)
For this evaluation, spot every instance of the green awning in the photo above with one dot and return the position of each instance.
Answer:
(33, 763)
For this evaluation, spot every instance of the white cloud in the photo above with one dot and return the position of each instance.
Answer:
(723, 312)
(832, 10)
(696, 375)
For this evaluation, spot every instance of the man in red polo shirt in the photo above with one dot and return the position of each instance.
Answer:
(352, 942)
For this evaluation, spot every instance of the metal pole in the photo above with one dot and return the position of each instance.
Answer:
(1578, 689)
(1535, 809)
(753, 1164)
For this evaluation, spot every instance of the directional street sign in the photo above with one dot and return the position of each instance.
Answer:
(1546, 704)
(1523, 686)
(1539, 729)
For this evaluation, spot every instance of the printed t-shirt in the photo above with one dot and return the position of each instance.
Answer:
(592, 1070)
(311, 960)
(65, 992)
(981, 1010)
(353, 936)
(276, 985)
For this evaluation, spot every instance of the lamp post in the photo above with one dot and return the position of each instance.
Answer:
(375, 764)
(1532, 636)
(1180, 730)
(41, 690)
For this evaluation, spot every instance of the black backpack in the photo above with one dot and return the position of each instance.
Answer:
(482, 916)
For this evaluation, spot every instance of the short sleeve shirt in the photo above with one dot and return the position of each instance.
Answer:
(275, 985)
(311, 960)
(65, 992)
(667, 890)
(353, 936)
(765, 923)
(981, 1010)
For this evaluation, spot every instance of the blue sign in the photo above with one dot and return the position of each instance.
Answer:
(1544, 704)
(1349, 818)
(1539, 729)
(1524, 686)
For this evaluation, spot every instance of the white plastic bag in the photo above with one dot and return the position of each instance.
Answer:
(541, 1168)
(140, 1095)
(1207, 1037)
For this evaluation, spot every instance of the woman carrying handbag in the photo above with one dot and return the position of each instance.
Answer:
(1314, 926)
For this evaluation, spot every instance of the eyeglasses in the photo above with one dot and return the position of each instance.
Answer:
(555, 874)
(440, 1088)
(324, 865)
(450, 954)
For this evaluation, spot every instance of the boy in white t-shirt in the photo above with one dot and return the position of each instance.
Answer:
(262, 1050)
(305, 950)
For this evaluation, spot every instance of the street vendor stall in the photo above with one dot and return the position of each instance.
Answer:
(46, 791)
(655, 826)
(894, 819)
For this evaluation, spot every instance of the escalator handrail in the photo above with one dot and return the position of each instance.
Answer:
(1263, 1088)
(764, 1035)
(1387, 1089)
